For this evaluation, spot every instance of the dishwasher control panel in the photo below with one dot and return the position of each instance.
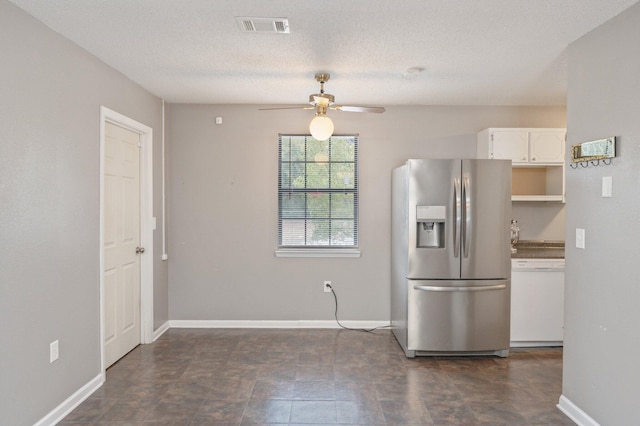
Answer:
(537, 265)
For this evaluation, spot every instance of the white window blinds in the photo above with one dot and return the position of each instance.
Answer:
(317, 192)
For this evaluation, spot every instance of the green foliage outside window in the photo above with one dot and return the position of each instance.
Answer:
(317, 191)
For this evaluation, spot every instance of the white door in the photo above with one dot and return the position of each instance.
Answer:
(121, 242)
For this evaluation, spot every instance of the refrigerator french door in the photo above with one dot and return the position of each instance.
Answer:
(451, 270)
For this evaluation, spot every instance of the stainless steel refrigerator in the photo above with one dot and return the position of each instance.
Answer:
(451, 266)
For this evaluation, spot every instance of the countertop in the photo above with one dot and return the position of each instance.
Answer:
(539, 249)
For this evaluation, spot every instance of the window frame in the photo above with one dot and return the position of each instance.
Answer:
(319, 250)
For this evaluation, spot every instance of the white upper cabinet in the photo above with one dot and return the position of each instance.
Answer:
(522, 145)
(537, 156)
(546, 146)
(508, 145)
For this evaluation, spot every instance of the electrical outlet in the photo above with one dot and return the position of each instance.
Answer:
(327, 286)
(53, 351)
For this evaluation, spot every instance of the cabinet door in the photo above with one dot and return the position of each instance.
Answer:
(510, 145)
(546, 146)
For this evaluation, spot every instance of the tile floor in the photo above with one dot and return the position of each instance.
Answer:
(260, 376)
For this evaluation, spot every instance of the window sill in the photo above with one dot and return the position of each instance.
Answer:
(320, 252)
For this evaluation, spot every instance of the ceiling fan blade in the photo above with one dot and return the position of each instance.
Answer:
(296, 107)
(346, 108)
(323, 101)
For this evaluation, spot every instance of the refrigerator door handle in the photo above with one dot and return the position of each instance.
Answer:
(443, 288)
(467, 227)
(457, 212)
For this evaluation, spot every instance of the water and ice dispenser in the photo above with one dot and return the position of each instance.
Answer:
(430, 226)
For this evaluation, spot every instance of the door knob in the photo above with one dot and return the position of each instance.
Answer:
(139, 250)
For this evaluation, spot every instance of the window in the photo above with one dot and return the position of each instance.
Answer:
(317, 192)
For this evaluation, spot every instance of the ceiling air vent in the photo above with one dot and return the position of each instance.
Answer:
(263, 25)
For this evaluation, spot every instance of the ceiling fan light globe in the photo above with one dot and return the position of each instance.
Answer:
(321, 127)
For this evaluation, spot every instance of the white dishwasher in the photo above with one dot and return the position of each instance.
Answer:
(537, 302)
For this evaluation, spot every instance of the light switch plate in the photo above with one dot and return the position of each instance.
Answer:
(580, 238)
(607, 190)
(54, 351)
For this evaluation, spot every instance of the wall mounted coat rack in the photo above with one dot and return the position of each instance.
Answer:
(593, 152)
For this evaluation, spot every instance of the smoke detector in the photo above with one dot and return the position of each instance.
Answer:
(263, 25)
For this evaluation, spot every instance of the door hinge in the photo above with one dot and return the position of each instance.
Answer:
(491, 147)
(139, 145)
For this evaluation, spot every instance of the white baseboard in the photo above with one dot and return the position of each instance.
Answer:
(59, 413)
(160, 331)
(273, 324)
(575, 413)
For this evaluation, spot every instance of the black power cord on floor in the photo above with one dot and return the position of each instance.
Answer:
(364, 330)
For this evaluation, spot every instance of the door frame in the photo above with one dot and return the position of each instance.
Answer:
(146, 224)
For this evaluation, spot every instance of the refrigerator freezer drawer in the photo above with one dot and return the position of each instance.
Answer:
(458, 316)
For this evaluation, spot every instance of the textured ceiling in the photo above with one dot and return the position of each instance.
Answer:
(474, 52)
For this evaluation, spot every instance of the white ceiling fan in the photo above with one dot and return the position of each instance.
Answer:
(321, 127)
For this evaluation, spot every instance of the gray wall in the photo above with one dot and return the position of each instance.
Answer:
(540, 220)
(601, 373)
(223, 209)
(50, 94)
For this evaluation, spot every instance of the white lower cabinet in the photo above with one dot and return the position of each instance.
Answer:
(537, 306)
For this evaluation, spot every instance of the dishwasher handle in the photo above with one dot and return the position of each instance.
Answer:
(448, 288)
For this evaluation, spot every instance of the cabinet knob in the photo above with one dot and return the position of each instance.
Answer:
(533, 159)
